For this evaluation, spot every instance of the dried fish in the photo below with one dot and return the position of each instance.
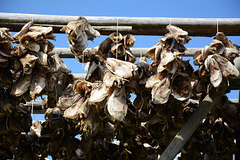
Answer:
(99, 94)
(47, 32)
(212, 66)
(23, 31)
(180, 35)
(116, 37)
(79, 32)
(73, 111)
(28, 63)
(38, 83)
(117, 105)
(161, 91)
(42, 58)
(28, 42)
(120, 68)
(217, 46)
(227, 68)
(129, 41)
(118, 50)
(21, 86)
(100, 110)
(181, 86)
(230, 54)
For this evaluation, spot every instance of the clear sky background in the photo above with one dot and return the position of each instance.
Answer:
(128, 8)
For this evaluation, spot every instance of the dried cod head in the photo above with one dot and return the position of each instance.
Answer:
(129, 41)
(21, 85)
(181, 86)
(161, 90)
(179, 35)
(28, 63)
(117, 106)
(121, 68)
(79, 32)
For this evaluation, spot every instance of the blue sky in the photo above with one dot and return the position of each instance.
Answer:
(128, 8)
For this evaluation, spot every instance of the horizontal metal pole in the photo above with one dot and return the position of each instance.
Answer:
(140, 25)
(137, 52)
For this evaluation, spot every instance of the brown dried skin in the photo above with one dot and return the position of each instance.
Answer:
(91, 123)
(94, 72)
(79, 32)
(58, 64)
(129, 41)
(181, 86)
(77, 37)
(212, 66)
(105, 47)
(176, 30)
(74, 111)
(121, 68)
(19, 51)
(168, 42)
(117, 105)
(153, 80)
(161, 91)
(38, 83)
(143, 72)
(219, 66)
(230, 54)
(227, 68)
(5, 34)
(188, 68)
(42, 58)
(153, 66)
(168, 62)
(118, 50)
(197, 58)
(83, 88)
(217, 47)
(111, 80)
(28, 42)
(99, 94)
(66, 100)
(21, 86)
(91, 32)
(5, 47)
(52, 113)
(116, 37)
(226, 42)
(28, 63)
(154, 53)
(129, 57)
(23, 31)
(47, 32)
(180, 35)
(36, 128)
(46, 46)
(166, 57)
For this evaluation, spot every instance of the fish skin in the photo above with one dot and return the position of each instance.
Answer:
(121, 68)
(117, 106)
(161, 91)
(22, 85)
(38, 83)
(212, 66)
